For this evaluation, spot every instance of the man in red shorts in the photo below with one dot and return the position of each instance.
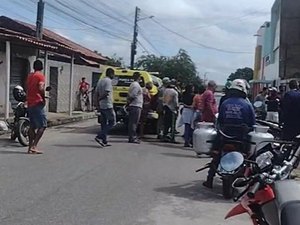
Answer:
(36, 104)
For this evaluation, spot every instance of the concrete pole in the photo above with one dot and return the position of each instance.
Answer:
(7, 87)
(71, 94)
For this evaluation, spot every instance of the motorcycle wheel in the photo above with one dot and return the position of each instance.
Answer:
(227, 187)
(22, 132)
(13, 135)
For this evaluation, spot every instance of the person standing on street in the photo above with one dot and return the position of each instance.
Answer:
(135, 103)
(104, 96)
(261, 97)
(171, 105)
(36, 103)
(146, 107)
(160, 106)
(209, 103)
(272, 102)
(188, 114)
(290, 112)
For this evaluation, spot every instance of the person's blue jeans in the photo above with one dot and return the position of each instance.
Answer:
(107, 121)
(188, 134)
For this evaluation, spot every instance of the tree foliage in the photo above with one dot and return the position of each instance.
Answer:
(115, 60)
(244, 73)
(180, 67)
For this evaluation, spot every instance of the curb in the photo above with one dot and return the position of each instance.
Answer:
(61, 121)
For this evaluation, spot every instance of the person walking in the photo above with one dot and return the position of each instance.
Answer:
(209, 102)
(104, 96)
(290, 112)
(135, 105)
(36, 103)
(170, 101)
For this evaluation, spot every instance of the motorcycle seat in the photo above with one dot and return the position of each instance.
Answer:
(288, 201)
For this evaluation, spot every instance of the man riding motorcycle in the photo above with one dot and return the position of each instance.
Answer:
(236, 118)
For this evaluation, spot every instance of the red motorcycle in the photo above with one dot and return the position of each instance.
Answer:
(269, 197)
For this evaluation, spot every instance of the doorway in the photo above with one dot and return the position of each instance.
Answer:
(95, 78)
(54, 89)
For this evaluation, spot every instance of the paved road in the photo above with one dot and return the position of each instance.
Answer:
(77, 183)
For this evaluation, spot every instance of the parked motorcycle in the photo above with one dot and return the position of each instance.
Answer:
(20, 125)
(268, 197)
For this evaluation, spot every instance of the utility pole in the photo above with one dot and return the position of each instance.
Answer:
(135, 34)
(39, 22)
(40, 19)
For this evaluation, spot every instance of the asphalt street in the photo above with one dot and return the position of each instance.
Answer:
(75, 182)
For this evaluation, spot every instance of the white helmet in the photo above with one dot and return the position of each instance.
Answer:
(240, 85)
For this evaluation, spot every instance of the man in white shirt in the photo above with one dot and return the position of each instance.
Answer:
(135, 102)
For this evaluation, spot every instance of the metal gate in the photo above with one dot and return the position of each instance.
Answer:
(18, 74)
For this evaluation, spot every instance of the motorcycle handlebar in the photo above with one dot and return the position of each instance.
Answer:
(252, 191)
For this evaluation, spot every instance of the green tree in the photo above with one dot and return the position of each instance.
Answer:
(180, 67)
(244, 73)
(115, 60)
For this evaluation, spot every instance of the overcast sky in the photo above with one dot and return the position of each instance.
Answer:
(221, 26)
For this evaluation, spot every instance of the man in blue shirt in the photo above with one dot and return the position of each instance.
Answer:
(290, 112)
(235, 112)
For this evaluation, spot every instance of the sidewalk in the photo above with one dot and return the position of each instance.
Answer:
(55, 119)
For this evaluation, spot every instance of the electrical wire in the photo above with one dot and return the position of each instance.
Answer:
(57, 9)
(143, 47)
(198, 43)
(104, 13)
(84, 17)
(148, 41)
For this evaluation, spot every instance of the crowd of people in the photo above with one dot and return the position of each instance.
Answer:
(198, 105)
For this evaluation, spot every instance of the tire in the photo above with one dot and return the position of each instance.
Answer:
(22, 132)
(13, 135)
(227, 187)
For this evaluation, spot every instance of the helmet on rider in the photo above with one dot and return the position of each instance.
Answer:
(239, 85)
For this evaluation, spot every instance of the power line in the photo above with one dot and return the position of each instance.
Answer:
(78, 12)
(104, 13)
(198, 43)
(148, 41)
(143, 47)
(85, 23)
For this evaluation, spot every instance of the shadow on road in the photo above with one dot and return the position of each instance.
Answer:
(178, 155)
(194, 191)
(10, 143)
(13, 152)
(77, 146)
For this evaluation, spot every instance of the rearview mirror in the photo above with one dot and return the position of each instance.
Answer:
(258, 104)
(231, 161)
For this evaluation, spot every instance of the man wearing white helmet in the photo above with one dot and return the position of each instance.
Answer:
(236, 118)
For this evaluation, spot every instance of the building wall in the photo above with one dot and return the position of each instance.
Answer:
(290, 39)
(64, 82)
(2, 82)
